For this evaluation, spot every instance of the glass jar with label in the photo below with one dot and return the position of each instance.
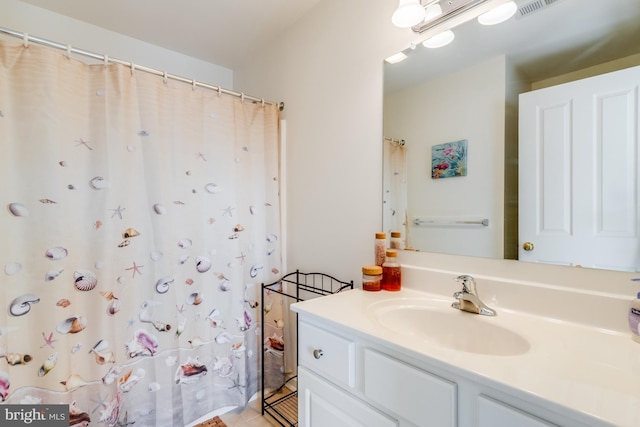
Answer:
(371, 277)
(391, 274)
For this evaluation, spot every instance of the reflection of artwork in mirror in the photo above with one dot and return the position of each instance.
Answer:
(449, 160)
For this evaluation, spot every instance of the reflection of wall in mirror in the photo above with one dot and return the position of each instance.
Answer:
(468, 104)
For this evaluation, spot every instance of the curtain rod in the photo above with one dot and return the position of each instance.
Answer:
(69, 49)
(400, 142)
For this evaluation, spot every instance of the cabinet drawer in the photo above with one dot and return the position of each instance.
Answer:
(492, 413)
(418, 396)
(328, 354)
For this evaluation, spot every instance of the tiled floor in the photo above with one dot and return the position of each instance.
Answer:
(250, 416)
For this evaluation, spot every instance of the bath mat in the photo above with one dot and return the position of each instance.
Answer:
(213, 422)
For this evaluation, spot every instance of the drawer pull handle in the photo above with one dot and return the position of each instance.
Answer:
(317, 353)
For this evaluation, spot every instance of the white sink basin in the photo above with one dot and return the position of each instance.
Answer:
(437, 322)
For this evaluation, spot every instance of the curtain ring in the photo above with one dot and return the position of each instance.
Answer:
(262, 102)
(219, 91)
(133, 69)
(242, 97)
(193, 84)
(25, 39)
(68, 51)
(164, 77)
(106, 60)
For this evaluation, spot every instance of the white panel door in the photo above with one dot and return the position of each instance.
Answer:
(578, 168)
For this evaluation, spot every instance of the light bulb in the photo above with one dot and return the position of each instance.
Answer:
(408, 14)
(439, 40)
(395, 58)
(498, 14)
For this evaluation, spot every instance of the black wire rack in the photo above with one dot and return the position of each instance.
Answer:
(281, 403)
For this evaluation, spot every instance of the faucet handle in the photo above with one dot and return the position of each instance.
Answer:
(468, 283)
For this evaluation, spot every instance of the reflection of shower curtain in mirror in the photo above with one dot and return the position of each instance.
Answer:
(143, 216)
(395, 189)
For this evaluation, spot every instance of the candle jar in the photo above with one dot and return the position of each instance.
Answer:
(371, 277)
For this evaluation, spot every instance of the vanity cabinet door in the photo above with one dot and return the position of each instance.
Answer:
(422, 398)
(321, 404)
(492, 413)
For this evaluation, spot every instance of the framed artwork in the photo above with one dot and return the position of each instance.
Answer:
(449, 160)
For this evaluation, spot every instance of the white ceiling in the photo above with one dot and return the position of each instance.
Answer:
(222, 32)
(569, 34)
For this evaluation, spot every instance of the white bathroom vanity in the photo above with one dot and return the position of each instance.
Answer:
(409, 359)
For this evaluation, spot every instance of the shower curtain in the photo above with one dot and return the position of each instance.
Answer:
(395, 188)
(140, 216)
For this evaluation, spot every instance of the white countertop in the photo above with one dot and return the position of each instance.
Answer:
(586, 369)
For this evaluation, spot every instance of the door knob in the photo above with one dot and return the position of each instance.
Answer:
(527, 246)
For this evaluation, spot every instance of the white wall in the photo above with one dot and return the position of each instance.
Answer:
(23, 17)
(328, 71)
(516, 84)
(468, 104)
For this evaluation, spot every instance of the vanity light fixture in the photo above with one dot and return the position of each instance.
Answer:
(499, 14)
(408, 13)
(395, 58)
(446, 15)
(437, 18)
(439, 40)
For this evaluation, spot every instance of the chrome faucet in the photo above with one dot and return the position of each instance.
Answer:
(467, 299)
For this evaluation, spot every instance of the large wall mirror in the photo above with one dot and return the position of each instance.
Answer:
(451, 120)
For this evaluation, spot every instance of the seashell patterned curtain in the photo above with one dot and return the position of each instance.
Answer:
(140, 218)
(395, 189)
